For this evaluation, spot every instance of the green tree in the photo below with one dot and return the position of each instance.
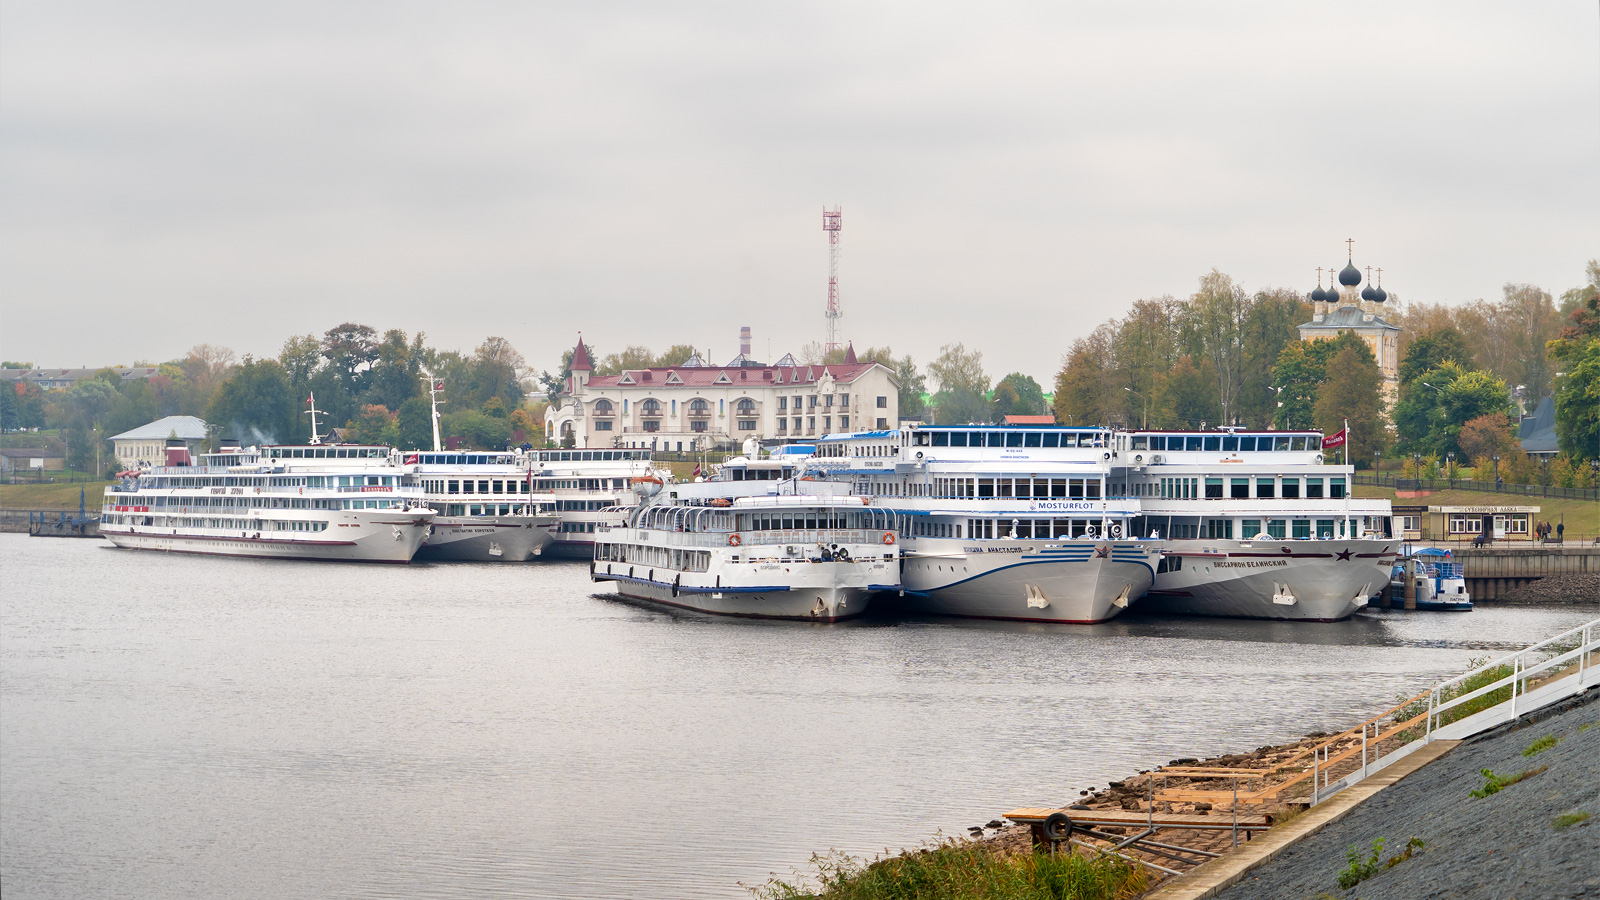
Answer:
(350, 348)
(1271, 324)
(396, 374)
(256, 405)
(1430, 349)
(1088, 379)
(375, 425)
(1352, 392)
(1466, 397)
(413, 425)
(479, 430)
(1191, 393)
(635, 356)
(1577, 398)
(676, 355)
(1025, 397)
(300, 357)
(1213, 329)
(912, 386)
(1570, 300)
(963, 385)
(1531, 321)
(1297, 378)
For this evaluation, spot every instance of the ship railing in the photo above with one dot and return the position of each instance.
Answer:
(774, 538)
(1471, 703)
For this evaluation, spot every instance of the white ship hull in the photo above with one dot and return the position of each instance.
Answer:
(375, 536)
(487, 538)
(1319, 580)
(822, 592)
(1034, 581)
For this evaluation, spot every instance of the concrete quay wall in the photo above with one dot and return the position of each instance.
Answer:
(1494, 572)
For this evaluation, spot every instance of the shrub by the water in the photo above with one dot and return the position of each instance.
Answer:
(1455, 713)
(1360, 870)
(1492, 783)
(1570, 819)
(965, 871)
(1541, 745)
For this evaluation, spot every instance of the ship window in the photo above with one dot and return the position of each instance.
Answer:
(958, 438)
(1052, 440)
(1193, 442)
(1275, 529)
(1213, 488)
(1302, 529)
(1230, 444)
(1336, 488)
(1213, 443)
(997, 439)
(1325, 528)
(1264, 487)
(1314, 442)
(1299, 443)
(941, 439)
(1075, 489)
(1094, 488)
(1291, 488)
(985, 487)
(1250, 528)
(1141, 442)
(1239, 489)
(1314, 488)
(1004, 485)
(1281, 443)
(1247, 443)
(1014, 439)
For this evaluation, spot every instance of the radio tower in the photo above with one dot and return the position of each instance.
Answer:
(833, 224)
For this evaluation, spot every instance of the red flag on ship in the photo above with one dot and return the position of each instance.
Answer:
(1335, 440)
(696, 471)
(439, 386)
(412, 460)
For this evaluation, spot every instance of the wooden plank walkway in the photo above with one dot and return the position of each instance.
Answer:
(1034, 815)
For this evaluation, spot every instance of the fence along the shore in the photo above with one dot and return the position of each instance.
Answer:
(1450, 714)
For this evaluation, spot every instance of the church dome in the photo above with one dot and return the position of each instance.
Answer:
(1349, 276)
(1367, 293)
(1378, 295)
(1318, 295)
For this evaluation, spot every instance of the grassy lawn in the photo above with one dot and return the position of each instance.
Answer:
(1582, 516)
(51, 496)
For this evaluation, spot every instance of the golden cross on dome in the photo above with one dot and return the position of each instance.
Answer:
(1349, 246)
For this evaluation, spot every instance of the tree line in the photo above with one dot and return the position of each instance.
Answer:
(368, 384)
(1225, 356)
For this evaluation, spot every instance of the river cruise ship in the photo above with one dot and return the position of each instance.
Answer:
(316, 501)
(809, 553)
(586, 487)
(1256, 524)
(487, 511)
(1001, 522)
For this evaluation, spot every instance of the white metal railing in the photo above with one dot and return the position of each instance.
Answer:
(1541, 674)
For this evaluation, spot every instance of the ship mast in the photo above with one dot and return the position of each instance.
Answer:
(434, 389)
(312, 411)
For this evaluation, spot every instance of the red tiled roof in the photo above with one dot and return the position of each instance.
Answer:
(580, 358)
(1030, 420)
(707, 376)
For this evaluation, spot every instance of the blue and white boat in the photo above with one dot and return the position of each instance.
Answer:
(1437, 581)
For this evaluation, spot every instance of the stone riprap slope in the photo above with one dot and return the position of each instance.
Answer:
(1505, 845)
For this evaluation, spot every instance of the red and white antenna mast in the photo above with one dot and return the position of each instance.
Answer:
(833, 224)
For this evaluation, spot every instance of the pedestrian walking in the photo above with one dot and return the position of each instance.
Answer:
(1561, 527)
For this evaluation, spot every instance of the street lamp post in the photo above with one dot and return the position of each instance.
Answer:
(1146, 405)
(1452, 457)
(1497, 472)
(1417, 458)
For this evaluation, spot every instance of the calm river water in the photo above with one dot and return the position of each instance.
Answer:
(175, 726)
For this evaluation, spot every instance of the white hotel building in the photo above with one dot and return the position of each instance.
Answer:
(697, 407)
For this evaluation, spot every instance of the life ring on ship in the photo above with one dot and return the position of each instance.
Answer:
(302, 490)
(888, 537)
(734, 540)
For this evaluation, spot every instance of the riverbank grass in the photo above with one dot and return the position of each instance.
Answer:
(1492, 783)
(63, 495)
(1360, 870)
(955, 870)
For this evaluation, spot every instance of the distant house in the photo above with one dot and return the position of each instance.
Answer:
(1538, 432)
(22, 460)
(61, 379)
(148, 443)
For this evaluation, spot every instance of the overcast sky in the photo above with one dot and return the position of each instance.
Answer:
(1011, 174)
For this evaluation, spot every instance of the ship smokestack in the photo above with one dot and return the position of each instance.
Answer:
(744, 341)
